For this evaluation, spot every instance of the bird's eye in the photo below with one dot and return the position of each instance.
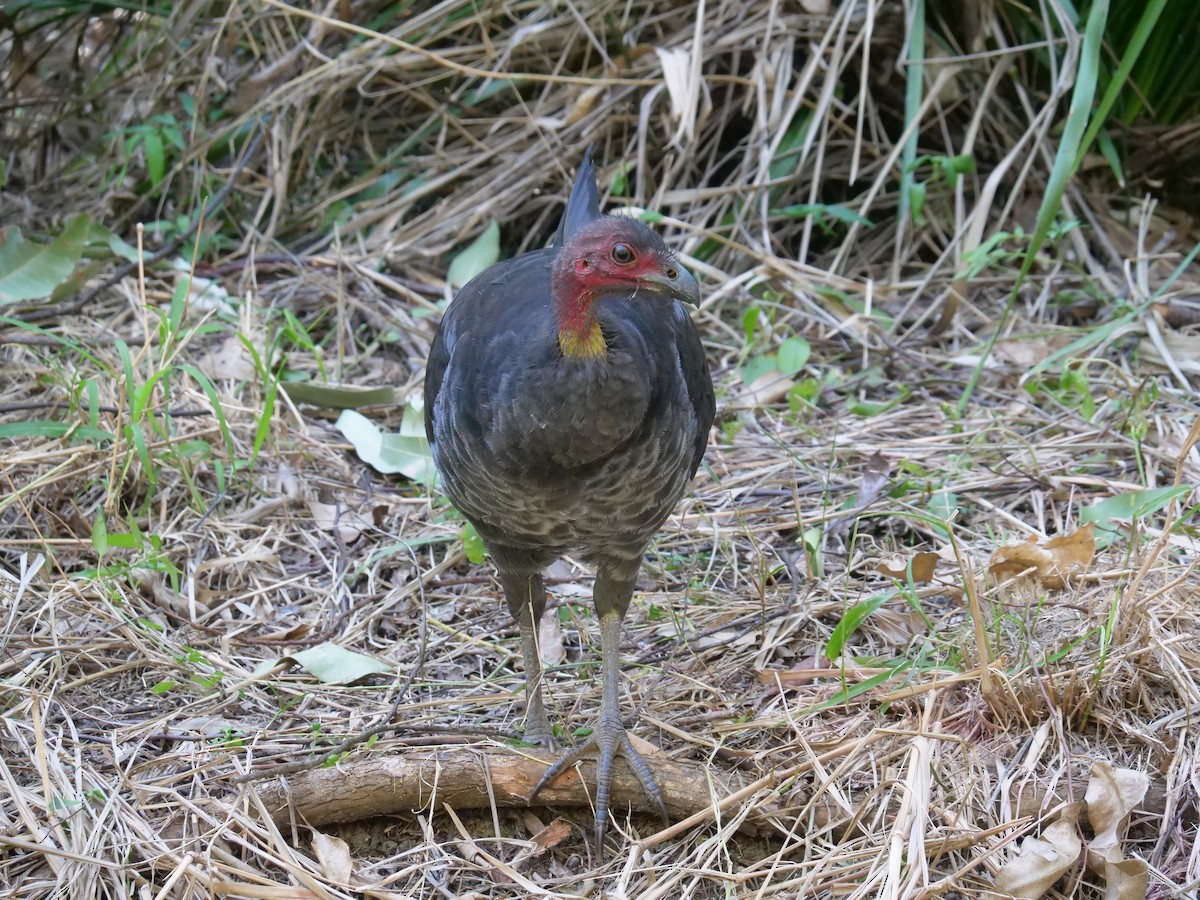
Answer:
(622, 255)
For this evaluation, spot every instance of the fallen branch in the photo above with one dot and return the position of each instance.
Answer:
(470, 777)
(476, 777)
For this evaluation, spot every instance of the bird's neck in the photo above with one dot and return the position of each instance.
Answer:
(579, 334)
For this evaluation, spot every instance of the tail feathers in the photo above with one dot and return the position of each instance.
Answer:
(583, 205)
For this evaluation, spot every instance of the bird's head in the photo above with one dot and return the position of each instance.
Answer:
(612, 255)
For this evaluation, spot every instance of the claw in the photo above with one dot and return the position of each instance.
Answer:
(608, 743)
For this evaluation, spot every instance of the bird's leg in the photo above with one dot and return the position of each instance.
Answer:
(608, 738)
(526, 598)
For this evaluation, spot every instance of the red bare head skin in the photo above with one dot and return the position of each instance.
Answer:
(611, 255)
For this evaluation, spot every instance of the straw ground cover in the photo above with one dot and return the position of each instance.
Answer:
(945, 317)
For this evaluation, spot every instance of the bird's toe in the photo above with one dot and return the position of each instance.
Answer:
(607, 742)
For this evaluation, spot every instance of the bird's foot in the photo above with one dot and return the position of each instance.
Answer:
(608, 741)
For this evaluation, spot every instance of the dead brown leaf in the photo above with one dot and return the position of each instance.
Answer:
(1041, 860)
(552, 835)
(923, 565)
(334, 855)
(1112, 794)
(1053, 563)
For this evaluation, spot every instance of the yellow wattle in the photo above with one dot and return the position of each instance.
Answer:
(588, 345)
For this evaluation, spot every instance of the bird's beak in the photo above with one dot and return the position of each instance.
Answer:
(683, 285)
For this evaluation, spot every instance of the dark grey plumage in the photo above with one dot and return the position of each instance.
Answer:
(550, 452)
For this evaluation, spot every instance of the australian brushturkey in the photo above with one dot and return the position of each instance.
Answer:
(568, 404)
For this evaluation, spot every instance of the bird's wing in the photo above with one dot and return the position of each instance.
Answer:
(583, 205)
(502, 311)
(699, 384)
(435, 371)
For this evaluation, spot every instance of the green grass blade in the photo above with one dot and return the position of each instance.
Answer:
(1061, 172)
(1116, 83)
(211, 392)
(914, 83)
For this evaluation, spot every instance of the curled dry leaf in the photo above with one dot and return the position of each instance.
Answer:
(1042, 860)
(334, 855)
(874, 479)
(1053, 563)
(922, 567)
(1112, 794)
(1126, 879)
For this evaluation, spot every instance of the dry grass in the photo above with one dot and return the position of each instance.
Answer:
(132, 694)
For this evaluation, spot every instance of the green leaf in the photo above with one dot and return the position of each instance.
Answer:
(750, 324)
(100, 534)
(1130, 507)
(823, 211)
(757, 366)
(912, 193)
(156, 161)
(484, 251)
(339, 396)
(1145, 27)
(31, 271)
(1071, 148)
(620, 180)
(406, 453)
(943, 507)
(793, 355)
(331, 664)
(952, 166)
(850, 622)
(916, 201)
(34, 428)
(856, 690)
(472, 544)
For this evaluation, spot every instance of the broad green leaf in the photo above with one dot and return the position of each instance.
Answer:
(484, 251)
(750, 323)
(793, 355)
(757, 366)
(339, 396)
(31, 271)
(943, 507)
(858, 689)
(406, 453)
(100, 534)
(331, 664)
(1129, 507)
(472, 544)
(156, 162)
(951, 166)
